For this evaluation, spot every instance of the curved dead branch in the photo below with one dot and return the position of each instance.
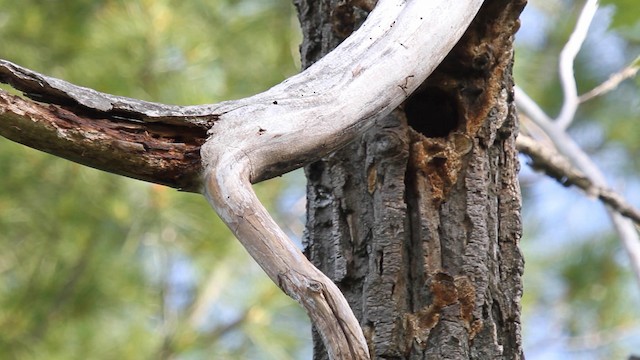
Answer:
(230, 193)
(253, 139)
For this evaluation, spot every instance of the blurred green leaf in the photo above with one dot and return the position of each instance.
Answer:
(101, 267)
(626, 12)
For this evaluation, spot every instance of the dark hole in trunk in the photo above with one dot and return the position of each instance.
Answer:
(432, 112)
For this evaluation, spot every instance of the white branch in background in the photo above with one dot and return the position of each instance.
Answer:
(555, 130)
(567, 57)
(569, 148)
(630, 240)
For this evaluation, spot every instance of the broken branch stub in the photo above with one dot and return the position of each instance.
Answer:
(290, 125)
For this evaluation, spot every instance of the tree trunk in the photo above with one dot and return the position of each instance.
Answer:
(418, 222)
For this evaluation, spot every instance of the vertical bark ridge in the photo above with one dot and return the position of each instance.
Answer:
(419, 224)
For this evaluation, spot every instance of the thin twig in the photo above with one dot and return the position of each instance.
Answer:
(613, 81)
(567, 57)
(558, 167)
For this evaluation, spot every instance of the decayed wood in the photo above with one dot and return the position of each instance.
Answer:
(50, 90)
(167, 154)
(296, 122)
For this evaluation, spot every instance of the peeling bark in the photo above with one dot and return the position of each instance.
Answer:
(167, 154)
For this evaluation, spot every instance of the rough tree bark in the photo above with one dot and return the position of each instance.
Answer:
(418, 222)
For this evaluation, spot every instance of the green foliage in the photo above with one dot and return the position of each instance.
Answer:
(625, 18)
(626, 12)
(97, 266)
(590, 271)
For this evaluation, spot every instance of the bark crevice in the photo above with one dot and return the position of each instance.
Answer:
(439, 208)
